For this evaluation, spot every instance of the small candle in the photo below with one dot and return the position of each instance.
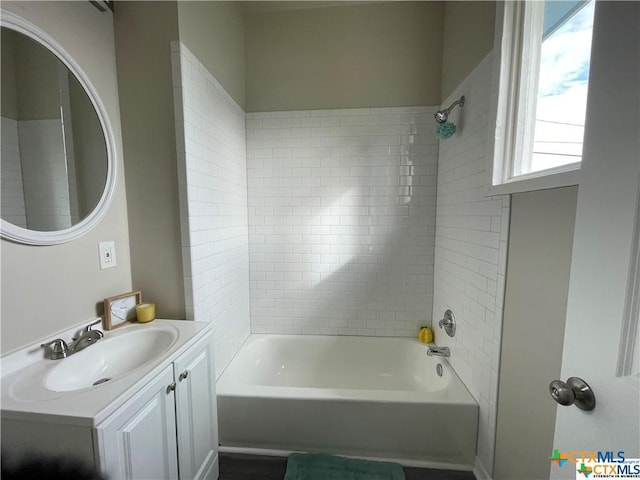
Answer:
(146, 312)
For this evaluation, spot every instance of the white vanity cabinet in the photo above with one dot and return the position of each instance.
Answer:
(139, 440)
(159, 423)
(168, 430)
(196, 413)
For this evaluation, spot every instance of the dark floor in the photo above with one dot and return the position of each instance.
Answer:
(248, 467)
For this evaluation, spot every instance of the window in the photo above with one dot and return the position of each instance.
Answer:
(542, 90)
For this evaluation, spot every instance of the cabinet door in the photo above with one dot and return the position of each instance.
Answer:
(196, 413)
(139, 441)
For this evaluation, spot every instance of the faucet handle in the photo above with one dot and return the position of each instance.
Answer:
(59, 348)
(448, 323)
(88, 327)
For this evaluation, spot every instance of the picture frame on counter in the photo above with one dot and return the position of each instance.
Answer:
(121, 309)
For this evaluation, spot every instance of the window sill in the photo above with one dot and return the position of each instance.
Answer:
(555, 180)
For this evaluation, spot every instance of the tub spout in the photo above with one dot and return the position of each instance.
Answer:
(438, 351)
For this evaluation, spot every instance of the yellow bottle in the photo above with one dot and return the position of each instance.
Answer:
(425, 334)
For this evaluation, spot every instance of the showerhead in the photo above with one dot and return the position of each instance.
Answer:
(442, 116)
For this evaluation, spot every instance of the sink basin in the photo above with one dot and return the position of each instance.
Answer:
(33, 386)
(109, 359)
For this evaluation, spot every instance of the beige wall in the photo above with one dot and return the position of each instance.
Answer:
(37, 85)
(8, 100)
(146, 95)
(88, 149)
(538, 265)
(35, 69)
(467, 39)
(371, 55)
(214, 32)
(47, 289)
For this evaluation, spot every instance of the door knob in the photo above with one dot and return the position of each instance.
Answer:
(574, 391)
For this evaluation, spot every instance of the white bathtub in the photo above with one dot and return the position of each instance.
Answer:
(360, 396)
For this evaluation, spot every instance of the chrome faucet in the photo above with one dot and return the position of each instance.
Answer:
(438, 351)
(60, 348)
(86, 339)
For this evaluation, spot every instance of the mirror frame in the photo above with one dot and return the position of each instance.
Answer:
(17, 234)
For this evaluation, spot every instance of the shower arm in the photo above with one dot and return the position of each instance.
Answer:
(457, 102)
(441, 116)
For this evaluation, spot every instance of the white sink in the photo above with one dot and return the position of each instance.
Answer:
(33, 386)
(109, 359)
(133, 348)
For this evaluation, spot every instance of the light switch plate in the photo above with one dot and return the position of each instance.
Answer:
(107, 252)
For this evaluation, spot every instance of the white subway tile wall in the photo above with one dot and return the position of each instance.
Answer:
(470, 253)
(212, 179)
(12, 201)
(44, 174)
(342, 225)
(342, 220)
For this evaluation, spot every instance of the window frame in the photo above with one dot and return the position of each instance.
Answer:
(513, 103)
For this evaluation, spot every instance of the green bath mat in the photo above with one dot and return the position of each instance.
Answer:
(311, 466)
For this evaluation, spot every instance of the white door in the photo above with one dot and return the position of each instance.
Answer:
(196, 412)
(600, 293)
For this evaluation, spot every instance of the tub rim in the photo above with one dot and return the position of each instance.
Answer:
(454, 393)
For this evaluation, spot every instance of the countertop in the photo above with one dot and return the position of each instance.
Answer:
(89, 406)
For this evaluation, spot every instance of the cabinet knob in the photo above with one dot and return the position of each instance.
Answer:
(183, 375)
(171, 387)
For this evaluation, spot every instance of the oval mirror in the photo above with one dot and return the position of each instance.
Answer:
(57, 169)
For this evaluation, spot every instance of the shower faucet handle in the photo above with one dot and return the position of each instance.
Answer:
(448, 323)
